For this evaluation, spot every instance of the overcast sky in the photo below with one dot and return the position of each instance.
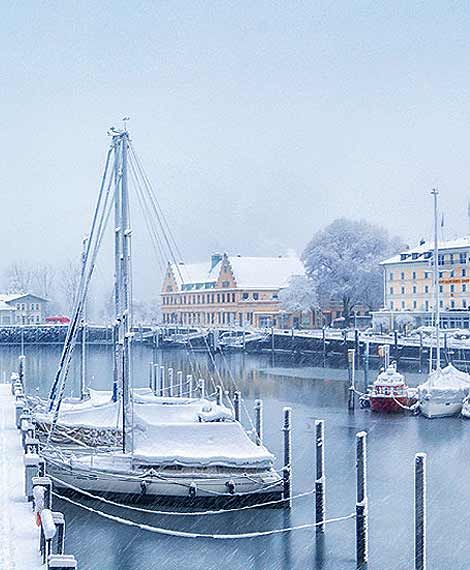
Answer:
(258, 122)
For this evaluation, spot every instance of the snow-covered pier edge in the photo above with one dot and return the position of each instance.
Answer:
(25, 503)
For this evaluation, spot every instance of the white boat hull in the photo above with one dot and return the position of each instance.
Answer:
(266, 482)
(441, 409)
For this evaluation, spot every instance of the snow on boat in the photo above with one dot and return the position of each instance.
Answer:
(174, 459)
(444, 392)
(390, 393)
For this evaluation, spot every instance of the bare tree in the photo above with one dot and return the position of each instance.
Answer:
(18, 278)
(69, 279)
(44, 280)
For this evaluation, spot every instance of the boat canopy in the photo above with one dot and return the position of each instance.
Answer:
(445, 383)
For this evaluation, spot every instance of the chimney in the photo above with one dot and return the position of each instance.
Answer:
(215, 258)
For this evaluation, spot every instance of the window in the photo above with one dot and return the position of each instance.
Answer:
(233, 297)
(452, 304)
(391, 305)
(452, 273)
(391, 290)
(223, 298)
(218, 297)
(426, 274)
(463, 257)
(403, 304)
(414, 304)
(464, 287)
(414, 274)
(414, 289)
(441, 288)
(402, 290)
(464, 272)
(255, 296)
(426, 288)
(440, 259)
(464, 303)
(391, 276)
(452, 288)
(225, 284)
(426, 305)
(402, 275)
(245, 296)
(451, 258)
(441, 303)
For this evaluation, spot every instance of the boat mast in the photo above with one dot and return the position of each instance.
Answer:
(117, 357)
(435, 194)
(125, 298)
(84, 327)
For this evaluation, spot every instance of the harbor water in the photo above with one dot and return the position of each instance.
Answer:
(313, 393)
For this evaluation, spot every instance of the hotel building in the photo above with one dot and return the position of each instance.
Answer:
(408, 285)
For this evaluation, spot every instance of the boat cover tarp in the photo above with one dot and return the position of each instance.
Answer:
(447, 383)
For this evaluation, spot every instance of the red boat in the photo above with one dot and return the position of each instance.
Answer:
(390, 393)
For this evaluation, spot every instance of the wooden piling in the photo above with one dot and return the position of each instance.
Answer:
(189, 382)
(179, 381)
(151, 384)
(259, 421)
(236, 404)
(323, 338)
(362, 545)
(352, 378)
(218, 397)
(287, 468)
(420, 511)
(320, 495)
(162, 382)
(366, 366)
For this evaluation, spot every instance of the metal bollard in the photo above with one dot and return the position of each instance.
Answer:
(362, 542)
(236, 404)
(320, 475)
(259, 421)
(420, 511)
(287, 469)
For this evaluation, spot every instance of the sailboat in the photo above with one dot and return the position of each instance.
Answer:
(445, 389)
(168, 446)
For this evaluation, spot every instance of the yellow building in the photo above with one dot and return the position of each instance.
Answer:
(229, 290)
(408, 284)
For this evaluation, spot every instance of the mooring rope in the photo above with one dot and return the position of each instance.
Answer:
(177, 513)
(185, 534)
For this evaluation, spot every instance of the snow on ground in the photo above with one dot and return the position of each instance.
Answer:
(19, 536)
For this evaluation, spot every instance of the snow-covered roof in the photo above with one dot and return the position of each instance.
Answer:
(9, 297)
(249, 272)
(265, 272)
(416, 254)
(5, 307)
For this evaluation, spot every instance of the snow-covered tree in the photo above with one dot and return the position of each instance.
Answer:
(299, 296)
(18, 278)
(343, 261)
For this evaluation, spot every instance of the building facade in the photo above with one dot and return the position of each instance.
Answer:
(22, 309)
(229, 290)
(408, 285)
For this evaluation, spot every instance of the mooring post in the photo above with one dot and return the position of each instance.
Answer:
(31, 467)
(162, 381)
(59, 521)
(170, 381)
(202, 388)
(352, 378)
(272, 338)
(151, 384)
(155, 378)
(420, 511)
(179, 380)
(236, 404)
(21, 365)
(420, 350)
(320, 475)
(189, 382)
(218, 395)
(323, 338)
(395, 342)
(362, 543)
(366, 366)
(287, 468)
(259, 421)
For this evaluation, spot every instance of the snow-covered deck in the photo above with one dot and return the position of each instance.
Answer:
(19, 536)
